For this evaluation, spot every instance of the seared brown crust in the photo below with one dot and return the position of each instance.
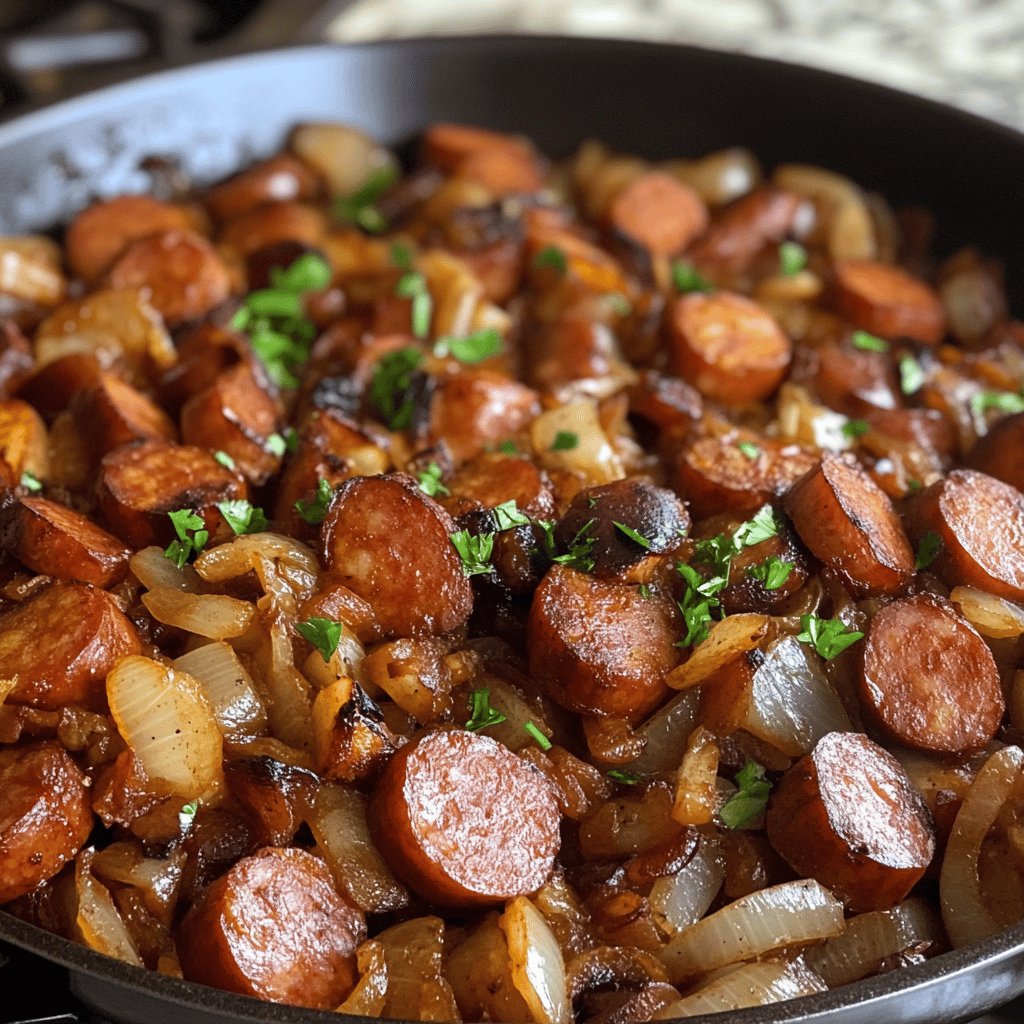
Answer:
(887, 301)
(275, 222)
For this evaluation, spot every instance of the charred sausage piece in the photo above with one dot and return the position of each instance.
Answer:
(601, 648)
(848, 522)
(629, 521)
(503, 172)
(848, 816)
(464, 821)
(274, 796)
(61, 643)
(113, 413)
(53, 539)
(714, 474)
(448, 145)
(51, 389)
(235, 415)
(926, 429)
(727, 347)
(979, 521)
(205, 351)
(101, 232)
(281, 179)
(762, 217)
(855, 382)
(998, 453)
(570, 347)
(273, 223)
(886, 300)
(471, 408)
(390, 544)
(179, 271)
(492, 478)
(658, 212)
(274, 927)
(45, 816)
(667, 402)
(928, 680)
(140, 483)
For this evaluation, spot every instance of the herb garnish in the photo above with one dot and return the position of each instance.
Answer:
(686, 278)
(192, 536)
(623, 777)
(413, 285)
(911, 375)
(242, 517)
(772, 573)
(632, 534)
(855, 428)
(552, 256)
(475, 550)
(928, 550)
(323, 634)
(315, 510)
(482, 714)
(792, 258)
(430, 481)
(749, 449)
(750, 798)
(829, 637)
(565, 441)
(537, 736)
(1001, 401)
(31, 482)
(867, 342)
(474, 348)
(360, 208)
(391, 385)
(225, 460)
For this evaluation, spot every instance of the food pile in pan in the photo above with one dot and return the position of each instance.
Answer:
(507, 589)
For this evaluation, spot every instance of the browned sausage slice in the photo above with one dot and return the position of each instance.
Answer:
(45, 817)
(54, 539)
(848, 816)
(886, 300)
(385, 540)
(728, 347)
(848, 522)
(447, 145)
(998, 453)
(273, 223)
(979, 521)
(179, 272)
(601, 648)
(492, 478)
(274, 927)
(280, 179)
(140, 483)
(854, 381)
(928, 679)
(114, 413)
(504, 172)
(61, 643)
(658, 212)
(464, 821)
(51, 389)
(275, 796)
(102, 231)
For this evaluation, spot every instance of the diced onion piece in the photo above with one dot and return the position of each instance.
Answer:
(290, 703)
(755, 984)
(286, 568)
(417, 989)
(236, 703)
(517, 709)
(215, 616)
(991, 616)
(790, 914)
(719, 177)
(592, 457)
(367, 998)
(6, 686)
(974, 301)
(23, 440)
(30, 270)
(727, 640)
(167, 720)
(682, 899)
(696, 796)
(538, 970)
(964, 912)
(870, 938)
(665, 734)
(633, 823)
(157, 878)
(153, 569)
(338, 823)
(98, 921)
(804, 420)
(345, 157)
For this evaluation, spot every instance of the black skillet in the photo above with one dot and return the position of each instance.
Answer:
(657, 100)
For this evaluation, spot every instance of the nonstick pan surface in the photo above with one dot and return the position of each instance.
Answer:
(656, 100)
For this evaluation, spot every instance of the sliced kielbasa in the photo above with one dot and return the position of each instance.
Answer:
(464, 821)
(281, 179)
(999, 452)
(659, 213)
(928, 680)
(848, 522)
(848, 816)
(390, 544)
(493, 478)
(448, 145)
(45, 816)
(886, 300)
(113, 413)
(275, 222)
(601, 648)
(274, 927)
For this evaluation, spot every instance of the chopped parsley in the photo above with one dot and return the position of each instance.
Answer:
(475, 550)
(474, 348)
(911, 375)
(277, 445)
(413, 285)
(553, 257)
(645, 590)
(792, 258)
(187, 815)
(360, 207)
(750, 798)
(537, 736)
(855, 428)
(323, 634)
(829, 637)
(430, 481)
(508, 448)
(749, 449)
(697, 602)
(315, 510)
(579, 556)
(565, 441)
(508, 516)
(400, 256)
(867, 342)
(192, 536)
(390, 389)
(686, 278)
(632, 534)
(242, 517)
(761, 527)
(31, 482)
(1000, 401)
(622, 777)
(225, 460)
(772, 573)
(481, 713)
(928, 550)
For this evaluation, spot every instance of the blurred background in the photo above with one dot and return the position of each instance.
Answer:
(966, 52)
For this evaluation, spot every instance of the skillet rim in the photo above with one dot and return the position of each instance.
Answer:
(945, 968)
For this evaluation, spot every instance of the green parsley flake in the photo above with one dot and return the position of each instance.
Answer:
(508, 448)
(749, 449)
(855, 428)
(928, 550)
(772, 573)
(911, 375)
(565, 441)
(829, 637)
(537, 736)
(579, 554)
(314, 511)
(622, 777)
(508, 516)
(192, 536)
(632, 534)
(225, 460)
(868, 342)
(277, 445)
(792, 258)
(391, 386)
(761, 527)
(1000, 401)
(430, 481)
(553, 257)
(686, 278)
(750, 799)
(474, 348)
(242, 517)
(400, 256)
(474, 550)
(323, 634)
(360, 208)
(482, 714)
(31, 482)
(187, 815)
(413, 285)
(645, 590)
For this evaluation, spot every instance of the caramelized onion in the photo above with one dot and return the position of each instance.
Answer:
(215, 616)
(682, 899)
(538, 970)
(367, 998)
(665, 734)
(154, 570)
(286, 568)
(991, 616)
(97, 920)
(416, 988)
(592, 457)
(237, 705)
(727, 640)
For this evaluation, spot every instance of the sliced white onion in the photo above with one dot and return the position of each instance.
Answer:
(417, 989)
(593, 457)
(964, 912)
(696, 796)
(239, 708)
(338, 823)
(727, 640)
(345, 157)
(154, 570)
(538, 970)
(870, 938)
(719, 177)
(167, 720)
(790, 914)
(991, 616)
(367, 998)
(804, 420)
(665, 734)
(517, 709)
(682, 899)
(157, 878)
(215, 616)
(97, 920)
(30, 269)
(754, 984)
(286, 568)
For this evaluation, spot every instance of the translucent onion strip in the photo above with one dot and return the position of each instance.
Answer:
(682, 899)
(964, 913)
(727, 640)
(789, 914)
(237, 705)
(367, 998)
(538, 970)
(665, 734)
(97, 919)
(991, 616)
(153, 569)
(214, 616)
